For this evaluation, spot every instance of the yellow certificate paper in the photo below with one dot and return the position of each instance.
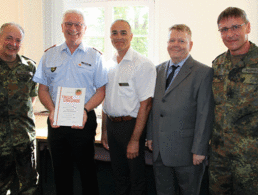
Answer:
(69, 106)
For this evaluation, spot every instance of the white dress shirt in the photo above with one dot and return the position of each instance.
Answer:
(129, 82)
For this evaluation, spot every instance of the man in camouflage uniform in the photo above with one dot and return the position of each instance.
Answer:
(17, 133)
(233, 165)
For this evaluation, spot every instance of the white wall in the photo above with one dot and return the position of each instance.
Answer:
(201, 17)
(27, 13)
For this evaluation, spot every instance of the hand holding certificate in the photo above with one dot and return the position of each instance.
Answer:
(69, 106)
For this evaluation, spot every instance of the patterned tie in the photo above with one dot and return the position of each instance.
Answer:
(170, 76)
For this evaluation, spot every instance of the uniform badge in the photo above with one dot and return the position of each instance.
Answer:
(53, 69)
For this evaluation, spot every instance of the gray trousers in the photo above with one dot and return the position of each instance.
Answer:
(178, 180)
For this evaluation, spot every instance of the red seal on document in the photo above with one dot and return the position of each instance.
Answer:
(78, 92)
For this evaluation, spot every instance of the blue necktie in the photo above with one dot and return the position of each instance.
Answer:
(171, 75)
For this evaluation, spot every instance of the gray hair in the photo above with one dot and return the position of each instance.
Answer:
(73, 11)
(11, 24)
(122, 20)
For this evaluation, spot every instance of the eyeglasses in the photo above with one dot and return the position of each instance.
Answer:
(70, 24)
(234, 28)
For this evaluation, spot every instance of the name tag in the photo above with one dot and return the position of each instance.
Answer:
(123, 84)
(24, 72)
(85, 63)
(250, 70)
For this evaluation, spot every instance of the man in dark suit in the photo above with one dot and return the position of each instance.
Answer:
(180, 123)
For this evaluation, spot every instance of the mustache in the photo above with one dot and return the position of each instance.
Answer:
(176, 48)
(12, 47)
(73, 33)
(118, 40)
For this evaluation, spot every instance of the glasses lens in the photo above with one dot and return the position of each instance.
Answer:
(223, 30)
(77, 25)
(70, 24)
(235, 27)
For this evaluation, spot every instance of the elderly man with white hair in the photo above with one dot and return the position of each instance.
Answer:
(74, 65)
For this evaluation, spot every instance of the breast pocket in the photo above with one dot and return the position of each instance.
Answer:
(248, 88)
(126, 89)
(85, 66)
(218, 87)
(24, 84)
(86, 70)
(54, 75)
(24, 76)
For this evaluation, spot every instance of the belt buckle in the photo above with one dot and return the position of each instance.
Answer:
(115, 119)
(119, 119)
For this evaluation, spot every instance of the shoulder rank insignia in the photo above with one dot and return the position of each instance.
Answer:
(97, 50)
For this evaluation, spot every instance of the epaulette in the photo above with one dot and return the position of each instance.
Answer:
(97, 50)
(26, 58)
(49, 48)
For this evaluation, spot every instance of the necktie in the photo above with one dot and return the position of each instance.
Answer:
(170, 76)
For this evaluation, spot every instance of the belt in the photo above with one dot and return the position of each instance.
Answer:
(120, 119)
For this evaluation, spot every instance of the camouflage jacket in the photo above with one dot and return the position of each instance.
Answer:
(236, 104)
(16, 112)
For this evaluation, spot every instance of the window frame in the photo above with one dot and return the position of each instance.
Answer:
(52, 21)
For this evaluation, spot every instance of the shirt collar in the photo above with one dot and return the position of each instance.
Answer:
(180, 64)
(128, 56)
(64, 47)
(22, 60)
(252, 48)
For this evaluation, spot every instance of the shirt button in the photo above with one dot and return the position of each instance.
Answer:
(161, 115)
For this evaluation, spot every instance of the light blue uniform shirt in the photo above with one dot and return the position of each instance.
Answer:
(180, 64)
(82, 69)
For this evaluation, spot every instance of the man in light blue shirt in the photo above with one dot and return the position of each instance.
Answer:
(83, 68)
(72, 65)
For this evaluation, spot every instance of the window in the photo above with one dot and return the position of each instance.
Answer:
(99, 15)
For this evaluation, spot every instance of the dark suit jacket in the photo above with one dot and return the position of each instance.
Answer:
(180, 122)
